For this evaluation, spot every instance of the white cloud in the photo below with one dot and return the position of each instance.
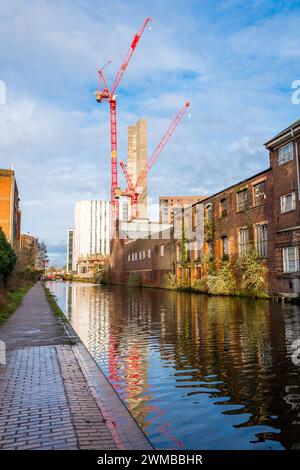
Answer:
(58, 137)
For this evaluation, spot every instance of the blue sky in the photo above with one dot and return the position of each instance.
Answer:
(234, 60)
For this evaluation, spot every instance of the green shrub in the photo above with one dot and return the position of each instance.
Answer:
(170, 281)
(134, 280)
(221, 281)
(105, 277)
(200, 284)
(253, 273)
(7, 258)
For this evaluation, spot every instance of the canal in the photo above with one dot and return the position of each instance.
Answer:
(196, 372)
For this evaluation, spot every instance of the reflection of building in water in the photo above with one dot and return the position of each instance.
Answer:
(129, 358)
(240, 344)
(232, 355)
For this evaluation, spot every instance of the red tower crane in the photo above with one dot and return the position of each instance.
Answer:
(133, 190)
(108, 95)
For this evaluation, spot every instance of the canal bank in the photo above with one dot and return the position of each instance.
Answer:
(53, 395)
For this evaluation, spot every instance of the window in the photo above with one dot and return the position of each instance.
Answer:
(285, 153)
(128, 257)
(149, 252)
(162, 250)
(290, 259)
(144, 254)
(225, 247)
(210, 247)
(208, 212)
(164, 213)
(223, 205)
(140, 255)
(259, 190)
(243, 240)
(288, 202)
(261, 240)
(242, 200)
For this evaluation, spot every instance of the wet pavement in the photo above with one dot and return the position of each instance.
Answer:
(52, 393)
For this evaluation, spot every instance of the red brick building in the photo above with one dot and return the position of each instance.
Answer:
(10, 213)
(233, 218)
(284, 258)
(151, 259)
(261, 211)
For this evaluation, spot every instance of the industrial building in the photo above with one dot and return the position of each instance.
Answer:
(10, 213)
(91, 235)
(284, 251)
(262, 211)
(170, 205)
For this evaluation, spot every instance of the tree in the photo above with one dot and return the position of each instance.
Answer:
(41, 255)
(7, 258)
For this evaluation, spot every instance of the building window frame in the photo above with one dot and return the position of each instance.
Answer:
(225, 247)
(283, 203)
(243, 204)
(208, 212)
(285, 153)
(223, 207)
(244, 239)
(261, 239)
(290, 258)
(259, 197)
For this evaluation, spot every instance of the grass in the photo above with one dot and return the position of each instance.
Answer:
(58, 312)
(14, 299)
(53, 304)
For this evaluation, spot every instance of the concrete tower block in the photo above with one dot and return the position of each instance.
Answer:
(137, 159)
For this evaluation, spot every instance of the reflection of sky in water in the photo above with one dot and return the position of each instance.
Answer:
(196, 372)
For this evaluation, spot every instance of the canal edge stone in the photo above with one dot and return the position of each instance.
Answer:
(122, 425)
(125, 430)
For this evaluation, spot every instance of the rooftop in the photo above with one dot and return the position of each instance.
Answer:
(294, 125)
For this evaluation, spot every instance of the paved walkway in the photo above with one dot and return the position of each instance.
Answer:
(52, 393)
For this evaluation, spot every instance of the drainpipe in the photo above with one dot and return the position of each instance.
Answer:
(297, 163)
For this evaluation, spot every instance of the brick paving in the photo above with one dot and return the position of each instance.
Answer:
(52, 393)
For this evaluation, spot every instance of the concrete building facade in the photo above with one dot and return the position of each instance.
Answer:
(10, 213)
(91, 230)
(137, 159)
(169, 205)
(70, 245)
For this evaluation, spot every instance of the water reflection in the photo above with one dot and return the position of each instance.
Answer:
(195, 371)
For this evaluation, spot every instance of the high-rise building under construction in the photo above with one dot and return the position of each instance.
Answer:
(137, 159)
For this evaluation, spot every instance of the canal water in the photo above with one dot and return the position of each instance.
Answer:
(196, 372)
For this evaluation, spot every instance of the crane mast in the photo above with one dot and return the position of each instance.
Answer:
(108, 95)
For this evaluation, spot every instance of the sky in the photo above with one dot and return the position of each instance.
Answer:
(235, 61)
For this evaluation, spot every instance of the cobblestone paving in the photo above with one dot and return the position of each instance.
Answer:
(91, 428)
(34, 411)
(46, 400)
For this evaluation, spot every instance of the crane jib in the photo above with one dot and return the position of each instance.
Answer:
(135, 41)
